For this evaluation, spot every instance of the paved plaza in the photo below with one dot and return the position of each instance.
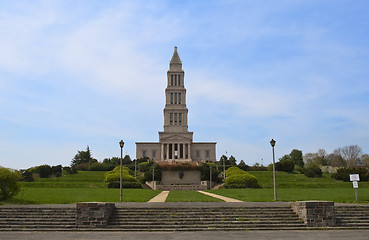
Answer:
(253, 235)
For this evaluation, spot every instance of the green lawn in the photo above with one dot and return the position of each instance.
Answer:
(84, 179)
(293, 180)
(190, 196)
(89, 186)
(74, 195)
(296, 194)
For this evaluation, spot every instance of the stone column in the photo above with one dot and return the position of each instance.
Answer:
(173, 151)
(168, 144)
(162, 152)
(189, 151)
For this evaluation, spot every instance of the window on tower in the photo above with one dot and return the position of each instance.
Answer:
(175, 119)
(175, 98)
(179, 80)
(171, 118)
(171, 79)
(179, 118)
(179, 98)
(171, 98)
(175, 79)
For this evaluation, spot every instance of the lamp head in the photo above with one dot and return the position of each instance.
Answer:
(272, 142)
(121, 143)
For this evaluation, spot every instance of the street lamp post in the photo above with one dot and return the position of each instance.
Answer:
(135, 167)
(153, 171)
(224, 176)
(272, 143)
(121, 144)
(210, 177)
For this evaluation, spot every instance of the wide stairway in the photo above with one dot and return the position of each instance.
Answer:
(352, 216)
(33, 218)
(204, 218)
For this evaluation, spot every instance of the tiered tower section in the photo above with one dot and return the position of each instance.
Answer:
(175, 142)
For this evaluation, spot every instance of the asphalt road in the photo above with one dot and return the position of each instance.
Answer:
(254, 235)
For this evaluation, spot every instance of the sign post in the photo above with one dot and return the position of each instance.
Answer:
(354, 178)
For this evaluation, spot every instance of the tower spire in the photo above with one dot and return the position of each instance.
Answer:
(175, 58)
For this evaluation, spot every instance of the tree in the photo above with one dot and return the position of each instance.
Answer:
(83, 157)
(319, 158)
(296, 156)
(224, 159)
(350, 154)
(8, 183)
(365, 160)
(243, 165)
(335, 160)
(285, 164)
(232, 161)
(126, 159)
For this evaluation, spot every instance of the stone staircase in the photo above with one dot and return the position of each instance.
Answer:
(178, 217)
(353, 217)
(204, 218)
(37, 218)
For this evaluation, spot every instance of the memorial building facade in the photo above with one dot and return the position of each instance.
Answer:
(176, 142)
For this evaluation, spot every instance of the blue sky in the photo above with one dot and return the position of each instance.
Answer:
(78, 73)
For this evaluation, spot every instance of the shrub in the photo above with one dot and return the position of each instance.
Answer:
(56, 170)
(344, 173)
(69, 170)
(157, 172)
(44, 171)
(244, 180)
(124, 185)
(205, 172)
(285, 165)
(27, 176)
(143, 167)
(234, 170)
(82, 166)
(237, 178)
(312, 170)
(113, 177)
(9, 185)
(101, 167)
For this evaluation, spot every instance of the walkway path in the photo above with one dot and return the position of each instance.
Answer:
(203, 235)
(226, 199)
(161, 197)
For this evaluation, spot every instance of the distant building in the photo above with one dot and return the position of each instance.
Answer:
(175, 142)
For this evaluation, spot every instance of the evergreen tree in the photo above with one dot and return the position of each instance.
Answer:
(82, 157)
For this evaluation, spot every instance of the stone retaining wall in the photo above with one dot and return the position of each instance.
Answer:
(316, 213)
(181, 187)
(94, 214)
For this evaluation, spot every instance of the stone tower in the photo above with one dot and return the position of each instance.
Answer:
(175, 142)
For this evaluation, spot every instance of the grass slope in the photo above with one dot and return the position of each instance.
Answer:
(294, 180)
(86, 186)
(296, 194)
(74, 195)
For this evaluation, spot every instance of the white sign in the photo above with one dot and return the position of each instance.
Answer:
(355, 184)
(354, 177)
